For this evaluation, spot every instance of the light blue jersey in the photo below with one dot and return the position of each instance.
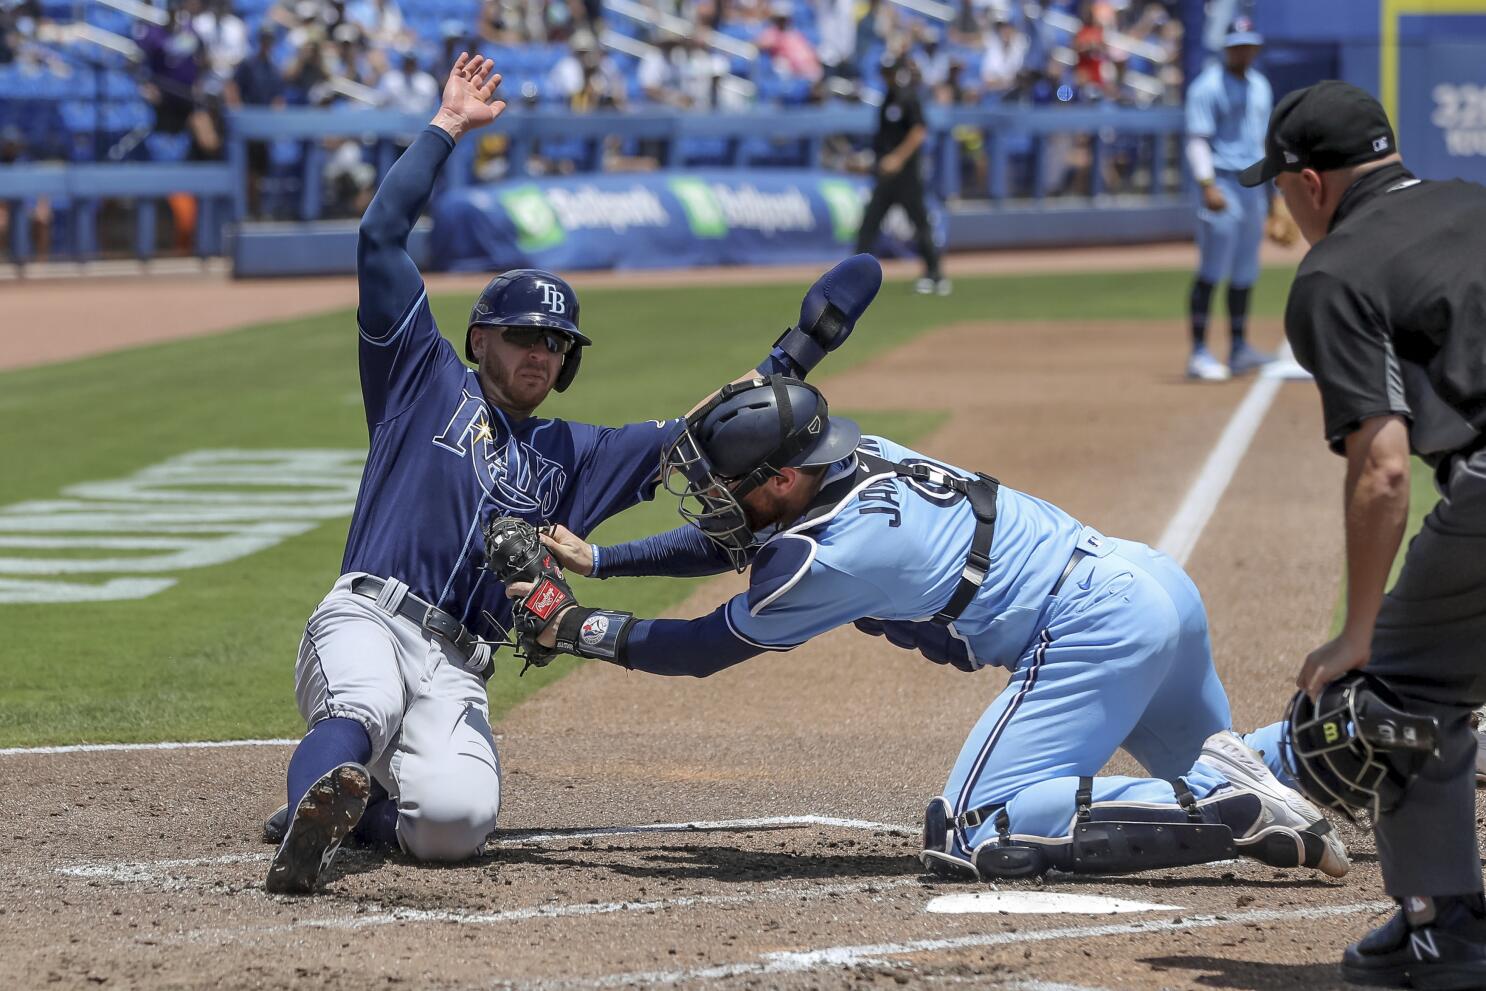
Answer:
(1232, 113)
(847, 564)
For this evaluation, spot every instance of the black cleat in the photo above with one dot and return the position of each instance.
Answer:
(324, 817)
(276, 825)
(1448, 954)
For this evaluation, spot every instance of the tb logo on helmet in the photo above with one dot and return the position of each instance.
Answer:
(553, 299)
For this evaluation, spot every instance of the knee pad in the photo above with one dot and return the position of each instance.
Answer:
(1112, 839)
(938, 855)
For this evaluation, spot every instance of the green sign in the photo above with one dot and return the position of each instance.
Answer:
(703, 213)
(537, 227)
(845, 203)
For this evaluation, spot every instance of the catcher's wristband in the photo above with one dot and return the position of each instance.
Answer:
(801, 348)
(596, 633)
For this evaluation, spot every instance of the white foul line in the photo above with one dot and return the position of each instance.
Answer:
(719, 825)
(843, 957)
(148, 872)
(94, 748)
(1190, 519)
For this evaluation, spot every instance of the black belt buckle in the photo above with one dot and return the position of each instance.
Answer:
(435, 620)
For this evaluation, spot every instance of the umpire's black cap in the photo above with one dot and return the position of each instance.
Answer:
(1326, 126)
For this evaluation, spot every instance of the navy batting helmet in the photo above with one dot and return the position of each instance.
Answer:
(529, 297)
(738, 441)
(1356, 747)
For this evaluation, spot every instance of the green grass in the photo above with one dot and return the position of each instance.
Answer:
(212, 657)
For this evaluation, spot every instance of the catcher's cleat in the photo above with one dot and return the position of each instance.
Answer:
(322, 819)
(1290, 831)
(276, 825)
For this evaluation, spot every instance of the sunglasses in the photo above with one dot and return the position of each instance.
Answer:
(525, 337)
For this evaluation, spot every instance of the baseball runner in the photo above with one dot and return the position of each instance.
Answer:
(1228, 107)
(390, 673)
(1385, 313)
(1106, 639)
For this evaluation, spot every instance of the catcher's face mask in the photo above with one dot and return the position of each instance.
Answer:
(706, 502)
(760, 429)
(1356, 749)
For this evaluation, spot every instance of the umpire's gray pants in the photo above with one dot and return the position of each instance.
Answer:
(1430, 647)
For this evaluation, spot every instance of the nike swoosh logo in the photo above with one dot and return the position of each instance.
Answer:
(1087, 581)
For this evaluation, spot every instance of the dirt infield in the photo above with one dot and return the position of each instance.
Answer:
(755, 829)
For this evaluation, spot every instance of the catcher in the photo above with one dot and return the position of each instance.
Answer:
(1106, 639)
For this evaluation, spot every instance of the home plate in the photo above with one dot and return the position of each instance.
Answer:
(1038, 903)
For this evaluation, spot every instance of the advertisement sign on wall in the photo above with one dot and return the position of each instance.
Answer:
(658, 220)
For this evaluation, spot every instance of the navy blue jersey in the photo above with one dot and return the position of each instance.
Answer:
(443, 461)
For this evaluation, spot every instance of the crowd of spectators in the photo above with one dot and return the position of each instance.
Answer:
(206, 57)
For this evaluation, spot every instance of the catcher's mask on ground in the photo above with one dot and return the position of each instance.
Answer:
(743, 437)
(1356, 748)
(531, 298)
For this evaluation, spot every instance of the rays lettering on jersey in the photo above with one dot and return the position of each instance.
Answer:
(515, 475)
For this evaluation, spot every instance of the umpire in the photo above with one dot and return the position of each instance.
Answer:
(1388, 312)
(901, 132)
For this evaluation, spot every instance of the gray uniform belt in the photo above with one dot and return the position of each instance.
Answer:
(428, 617)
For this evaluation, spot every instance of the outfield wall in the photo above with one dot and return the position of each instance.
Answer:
(1425, 59)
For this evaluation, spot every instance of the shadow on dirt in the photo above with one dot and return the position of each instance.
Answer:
(1252, 975)
(688, 863)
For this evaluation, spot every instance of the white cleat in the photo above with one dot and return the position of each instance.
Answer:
(1291, 832)
(1203, 367)
(925, 286)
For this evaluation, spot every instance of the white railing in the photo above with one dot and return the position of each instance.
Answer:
(681, 28)
(929, 8)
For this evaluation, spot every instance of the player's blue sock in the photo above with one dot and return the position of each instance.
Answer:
(1238, 312)
(329, 743)
(378, 825)
(1200, 304)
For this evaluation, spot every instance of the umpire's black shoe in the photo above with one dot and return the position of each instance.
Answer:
(322, 819)
(1448, 954)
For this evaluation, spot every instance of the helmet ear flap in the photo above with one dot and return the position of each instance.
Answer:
(569, 369)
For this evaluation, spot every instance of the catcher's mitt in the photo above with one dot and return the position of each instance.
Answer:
(514, 553)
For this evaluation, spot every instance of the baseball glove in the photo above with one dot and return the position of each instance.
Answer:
(514, 553)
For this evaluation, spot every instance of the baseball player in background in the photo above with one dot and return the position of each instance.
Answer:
(1106, 639)
(390, 676)
(1228, 107)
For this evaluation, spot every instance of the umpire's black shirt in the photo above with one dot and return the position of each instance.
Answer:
(900, 113)
(1388, 312)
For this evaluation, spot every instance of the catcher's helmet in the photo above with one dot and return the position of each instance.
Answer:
(1356, 748)
(742, 438)
(529, 297)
